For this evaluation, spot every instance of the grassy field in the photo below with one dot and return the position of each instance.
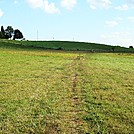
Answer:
(65, 92)
(64, 45)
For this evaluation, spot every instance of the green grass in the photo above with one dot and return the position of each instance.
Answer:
(111, 90)
(63, 45)
(65, 92)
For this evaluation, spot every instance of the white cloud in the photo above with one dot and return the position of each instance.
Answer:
(94, 4)
(123, 7)
(119, 19)
(45, 5)
(50, 7)
(1, 13)
(68, 4)
(111, 23)
(114, 22)
(128, 5)
(131, 19)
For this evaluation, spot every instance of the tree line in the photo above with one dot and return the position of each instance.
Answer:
(9, 33)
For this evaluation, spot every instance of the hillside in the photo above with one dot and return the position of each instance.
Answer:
(64, 45)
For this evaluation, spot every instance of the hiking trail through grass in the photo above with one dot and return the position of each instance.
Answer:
(70, 118)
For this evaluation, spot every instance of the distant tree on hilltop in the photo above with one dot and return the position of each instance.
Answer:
(2, 33)
(2, 30)
(17, 34)
(10, 32)
(130, 46)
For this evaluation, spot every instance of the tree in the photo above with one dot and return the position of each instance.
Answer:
(9, 32)
(17, 34)
(2, 32)
(130, 46)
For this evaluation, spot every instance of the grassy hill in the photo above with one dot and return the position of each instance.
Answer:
(60, 92)
(64, 45)
(65, 92)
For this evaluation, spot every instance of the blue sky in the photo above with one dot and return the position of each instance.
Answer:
(100, 21)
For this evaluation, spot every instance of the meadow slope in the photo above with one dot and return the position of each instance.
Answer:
(64, 45)
(66, 92)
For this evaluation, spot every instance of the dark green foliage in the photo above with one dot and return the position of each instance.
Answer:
(2, 32)
(17, 34)
(9, 32)
(130, 46)
(1, 35)
(10, 29)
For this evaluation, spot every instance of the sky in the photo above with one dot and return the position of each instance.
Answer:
(100, 21)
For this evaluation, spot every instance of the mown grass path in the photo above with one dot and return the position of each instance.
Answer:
(72, 115)
(71, 103)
